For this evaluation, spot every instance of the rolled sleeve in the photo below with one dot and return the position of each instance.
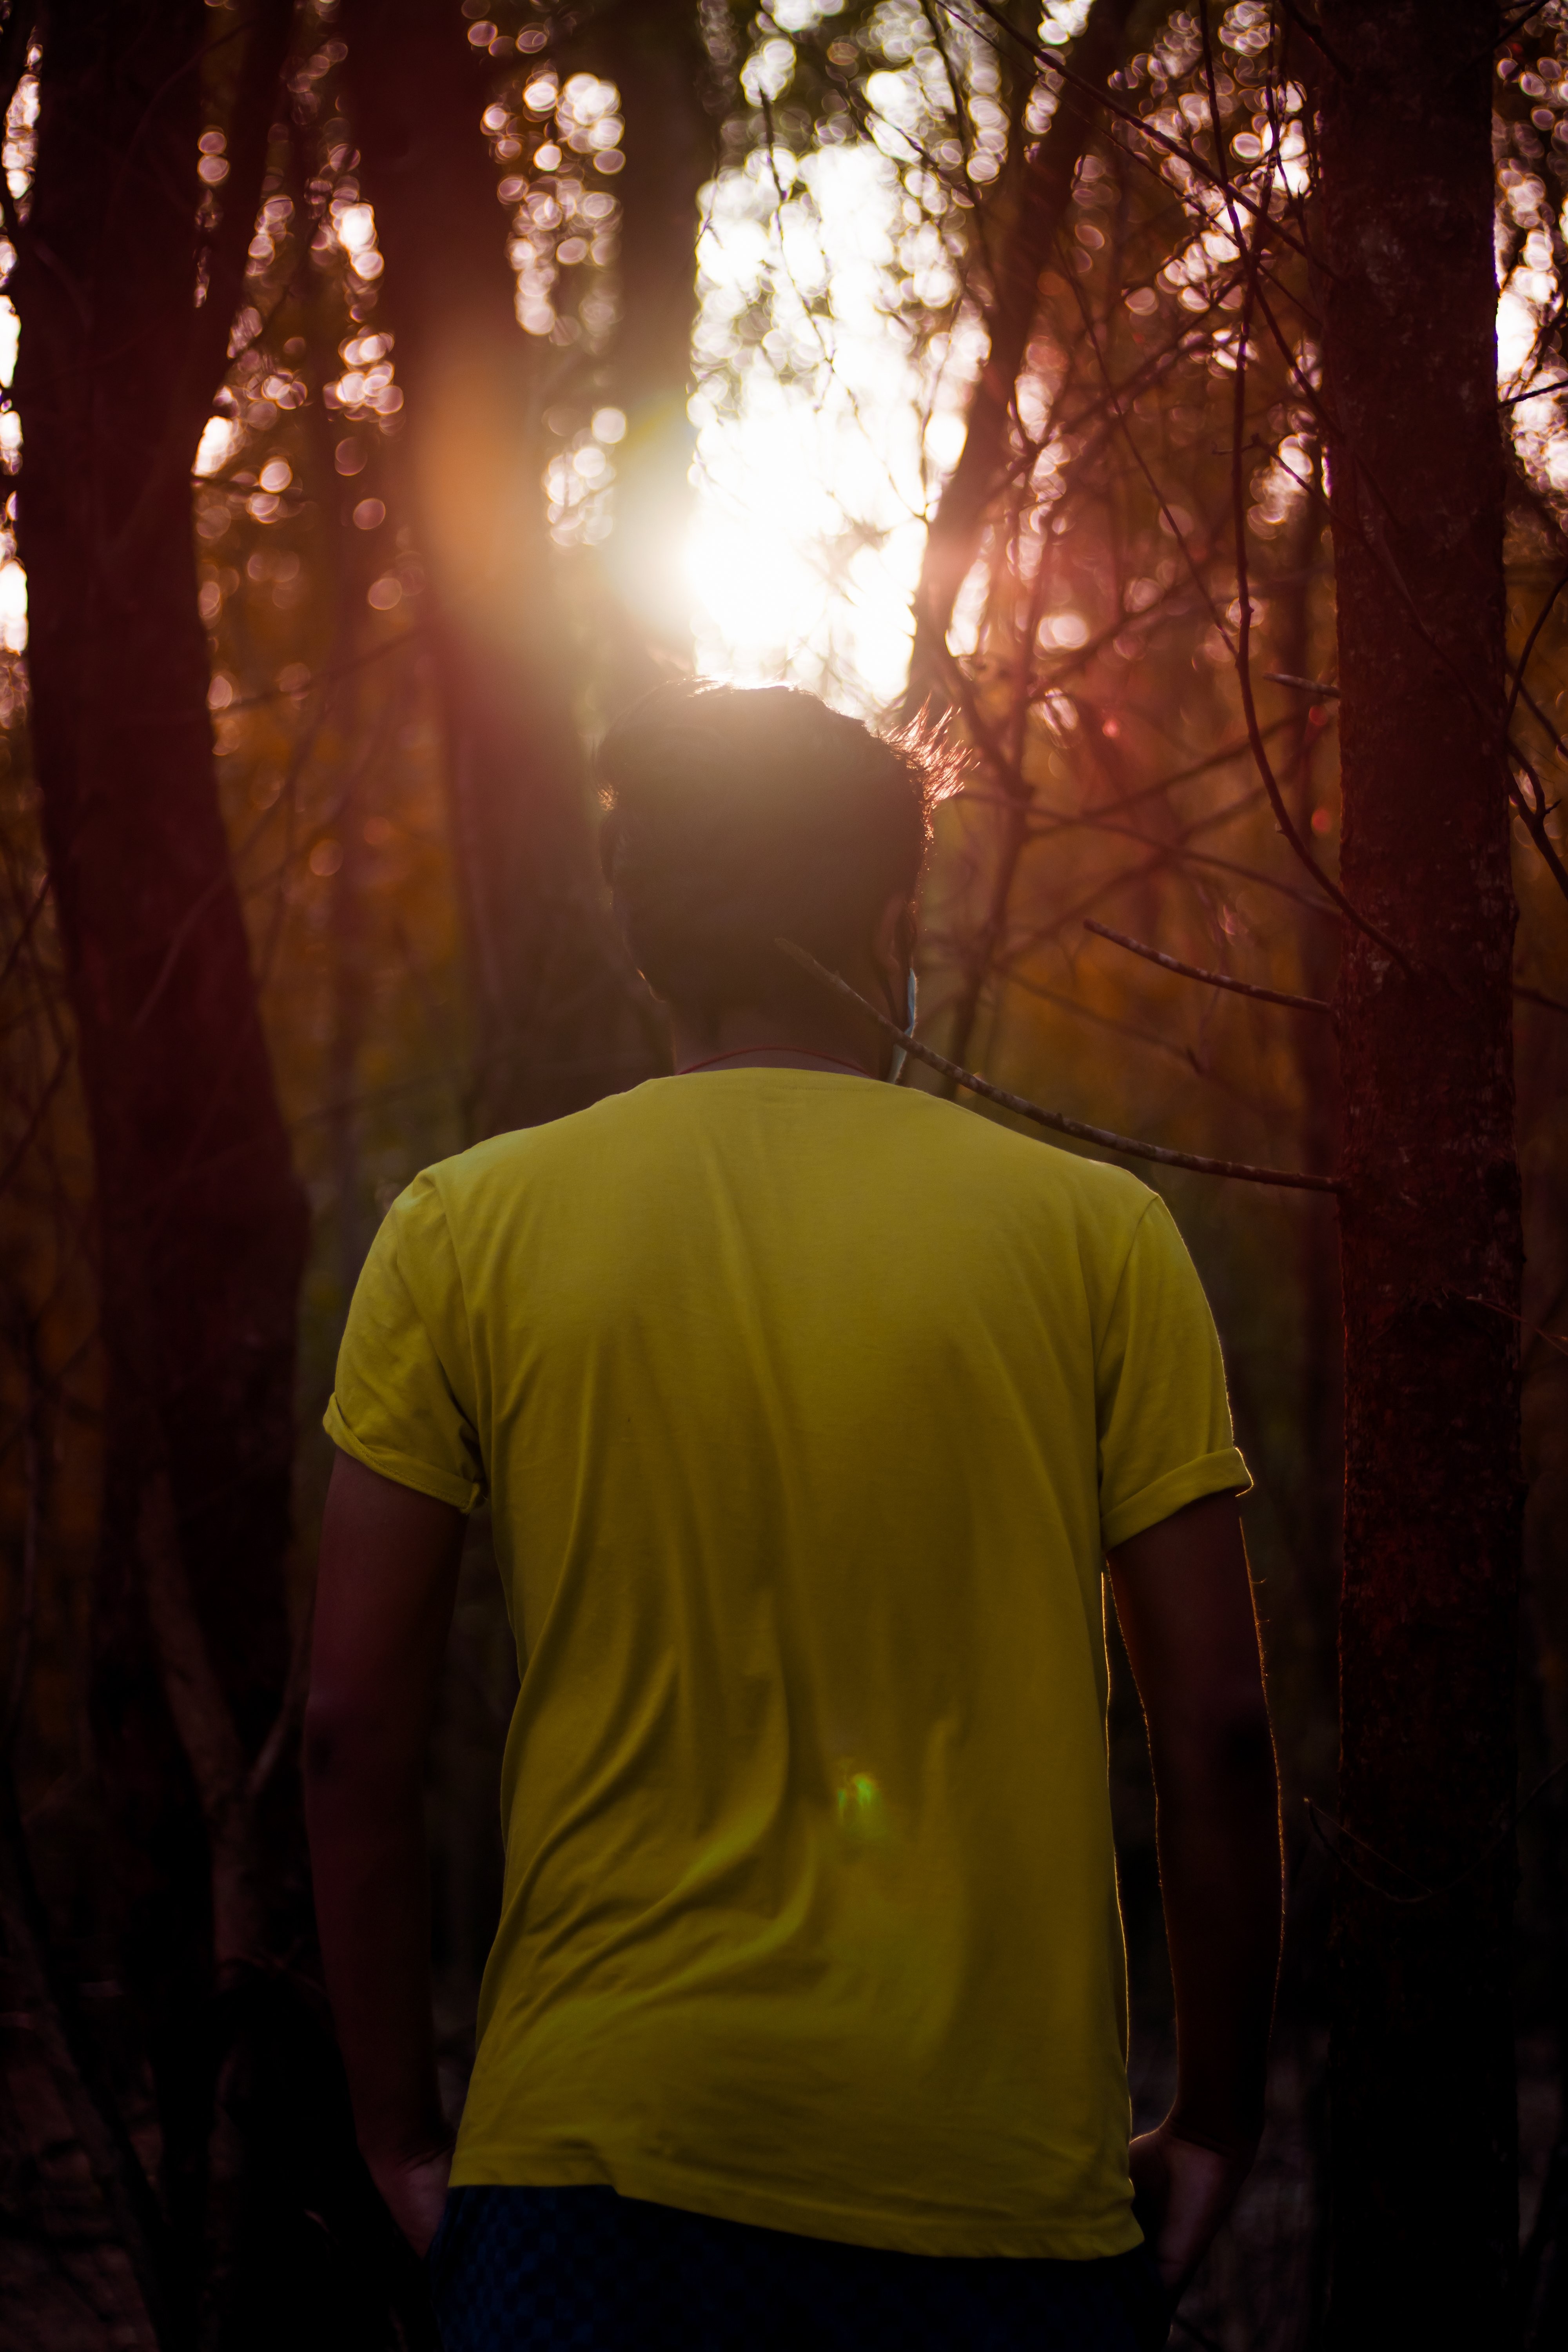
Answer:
(403, 1401)
(1164, 1426)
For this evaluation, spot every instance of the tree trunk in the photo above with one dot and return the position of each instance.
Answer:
(1317, 1509)
(1043, 193)
(201, 1220)
(552, 993)
(654, 53)
(1422, 2064)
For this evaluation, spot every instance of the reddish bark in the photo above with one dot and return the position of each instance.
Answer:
(548, 985)
(1421, 2065)
(201, 1221)
(1316, 1517)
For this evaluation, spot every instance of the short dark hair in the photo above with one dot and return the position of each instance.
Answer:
(735, 814)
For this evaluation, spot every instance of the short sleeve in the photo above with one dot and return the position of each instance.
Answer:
(404, 1399)
(1162, 1413)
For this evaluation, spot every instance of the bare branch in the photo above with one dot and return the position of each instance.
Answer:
(36, 1119)
(27, 1598)
(1558, 586)
(1313, 685)
(1045, 192)
(1252, 254)
(1292, 1178)
(254, 110)
(1534, 814)
(1535, 996)
(1210, 979)
(1538, 392)
(1127, 114)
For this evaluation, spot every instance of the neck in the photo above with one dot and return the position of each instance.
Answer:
(755, 1037)
(771, 1057)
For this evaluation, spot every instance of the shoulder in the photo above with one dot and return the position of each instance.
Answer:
(1029, 1166)
(456, 1189)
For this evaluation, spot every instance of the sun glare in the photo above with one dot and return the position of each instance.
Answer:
(820, 447)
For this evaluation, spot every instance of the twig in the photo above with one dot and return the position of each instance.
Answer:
(1534, 814)
(27, 1599)
(1179, 854)
(19, 944)
(37, 1118)
(1319, 686)
(1553, 1339)
(325, 676)
(1127, 114)
(1294, 1178)
(1512, 25)
(1182, 1054)
(1252, 254)
(1212, 979)
(1427, 1894)
(1539, 393)
(1124, 424)
(1558, 586)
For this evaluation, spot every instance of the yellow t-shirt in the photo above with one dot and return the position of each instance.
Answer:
(807, 1407)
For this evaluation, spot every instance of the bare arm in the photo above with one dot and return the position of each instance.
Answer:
(1184, 1600)
(384, 1603)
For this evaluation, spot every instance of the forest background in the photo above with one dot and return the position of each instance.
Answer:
(403, 389)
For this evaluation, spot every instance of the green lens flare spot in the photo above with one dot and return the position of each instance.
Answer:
(861, 1810)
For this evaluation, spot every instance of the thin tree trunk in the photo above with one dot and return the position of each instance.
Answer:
(655, 54)
(1315, 1513)
(555, 1029)
(1424, 2160)
(1317, 1518)
(1044, 193)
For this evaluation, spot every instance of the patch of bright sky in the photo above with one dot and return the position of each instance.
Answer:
(12, 600)
(12, 579)
(1526, 300)
(218, 437)
(812, 494)
(1062, 21)
(795, 15)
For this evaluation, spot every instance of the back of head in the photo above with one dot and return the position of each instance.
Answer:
(735, 815)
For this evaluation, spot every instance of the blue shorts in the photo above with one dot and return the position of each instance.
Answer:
(510, 2268)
